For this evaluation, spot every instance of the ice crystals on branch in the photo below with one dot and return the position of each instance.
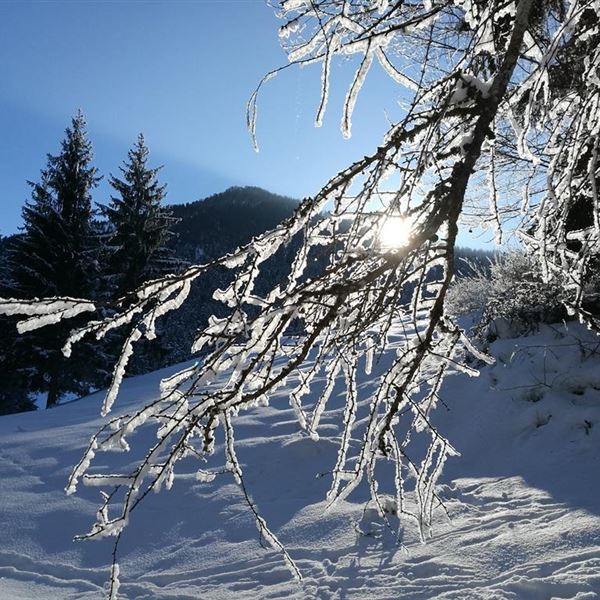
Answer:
(469, 89)
(44, 312)
(346, 296)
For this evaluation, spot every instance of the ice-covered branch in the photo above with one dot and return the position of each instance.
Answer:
(374, 251)
(41, 313)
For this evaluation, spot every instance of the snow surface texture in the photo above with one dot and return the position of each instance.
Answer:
(523, 508)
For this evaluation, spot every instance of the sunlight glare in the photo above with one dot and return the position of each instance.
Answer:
(395, 232)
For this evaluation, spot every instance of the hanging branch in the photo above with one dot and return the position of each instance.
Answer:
(376, 280)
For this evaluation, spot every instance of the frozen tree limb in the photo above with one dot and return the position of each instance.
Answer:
(483, 78)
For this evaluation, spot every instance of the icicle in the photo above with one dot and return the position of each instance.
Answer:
(394, 73)
(169, 384)
(82, 467)
(331, 373)
(349, 418)
(44, 312)
(272, 540)
(114, 582)
(232, 462)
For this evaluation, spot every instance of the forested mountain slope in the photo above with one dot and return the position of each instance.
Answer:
(222, 222)
(206, 229)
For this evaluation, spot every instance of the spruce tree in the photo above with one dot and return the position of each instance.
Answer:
(56, 255)
(138, 225)
(14, 396)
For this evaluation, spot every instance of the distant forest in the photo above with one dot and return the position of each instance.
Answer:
(198, 232)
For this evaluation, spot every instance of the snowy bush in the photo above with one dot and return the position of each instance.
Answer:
(512, 299)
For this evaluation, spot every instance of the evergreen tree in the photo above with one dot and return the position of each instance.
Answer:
(14, 395)
(138, 225)
(57, 256)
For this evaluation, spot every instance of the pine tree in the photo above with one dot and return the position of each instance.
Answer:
(57, 256)
(138, 225)
(14, 396)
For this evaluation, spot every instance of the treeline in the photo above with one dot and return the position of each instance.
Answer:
(68, 247)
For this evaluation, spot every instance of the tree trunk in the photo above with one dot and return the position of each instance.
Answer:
(52, 397)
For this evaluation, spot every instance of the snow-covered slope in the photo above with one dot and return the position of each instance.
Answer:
(521, 518)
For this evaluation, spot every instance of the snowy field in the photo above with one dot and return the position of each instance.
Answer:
(521, 518)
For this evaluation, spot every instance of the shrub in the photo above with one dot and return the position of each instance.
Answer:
(513, 299)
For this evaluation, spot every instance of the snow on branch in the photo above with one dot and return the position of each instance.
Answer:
(47, 311)
(376, 267)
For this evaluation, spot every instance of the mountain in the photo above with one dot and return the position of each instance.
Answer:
(209, 228)
(218, 224)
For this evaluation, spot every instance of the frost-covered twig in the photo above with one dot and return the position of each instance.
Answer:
(474, 69)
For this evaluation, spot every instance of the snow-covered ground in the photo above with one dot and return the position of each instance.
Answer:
(521, 519)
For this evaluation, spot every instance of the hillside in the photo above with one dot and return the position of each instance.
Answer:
(213, 226)
(521, 518)
(220, 223)
(207, 229)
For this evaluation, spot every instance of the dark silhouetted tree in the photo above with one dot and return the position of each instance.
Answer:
(138, 226)
(56, 255)
(14, 396)
(138, 229)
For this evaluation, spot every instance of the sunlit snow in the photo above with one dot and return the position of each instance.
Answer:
(521, 517)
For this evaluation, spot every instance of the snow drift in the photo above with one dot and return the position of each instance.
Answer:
(518, 514)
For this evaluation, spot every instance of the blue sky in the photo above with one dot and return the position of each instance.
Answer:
(180, 72)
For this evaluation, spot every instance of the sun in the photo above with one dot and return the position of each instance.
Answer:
(395, 232)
